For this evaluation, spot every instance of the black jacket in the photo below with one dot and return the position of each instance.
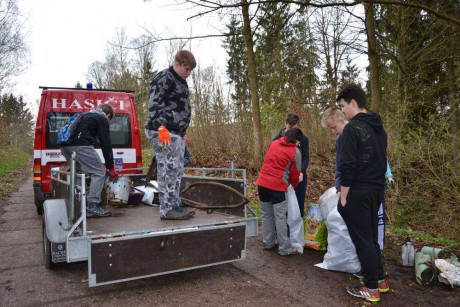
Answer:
(92, 125)
(304, 149)
(363, 152)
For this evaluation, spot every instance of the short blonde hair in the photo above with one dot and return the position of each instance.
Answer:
(330, 116)
(185, 57)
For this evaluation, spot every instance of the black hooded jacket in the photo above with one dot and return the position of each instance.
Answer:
(363, 152)
(92, 125)
(304, 148)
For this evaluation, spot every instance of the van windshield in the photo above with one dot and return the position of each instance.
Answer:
(120, 129)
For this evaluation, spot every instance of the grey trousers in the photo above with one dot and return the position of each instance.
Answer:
(88, 161)
(275, 214)
(170, 168)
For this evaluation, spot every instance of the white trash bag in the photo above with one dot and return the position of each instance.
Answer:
(449, 273)
(295, 221)
(149, 193)
(328, 201)
(341, 252)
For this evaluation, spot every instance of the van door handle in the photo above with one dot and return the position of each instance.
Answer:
(120, 152)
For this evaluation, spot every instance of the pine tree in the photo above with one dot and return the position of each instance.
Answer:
(236, 69)
(17, 120)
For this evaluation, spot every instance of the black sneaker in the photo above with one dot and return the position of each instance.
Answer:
(93, 210)
(184, 209)
(175, 214)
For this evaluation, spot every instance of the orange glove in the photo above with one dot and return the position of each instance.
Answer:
(163, 136)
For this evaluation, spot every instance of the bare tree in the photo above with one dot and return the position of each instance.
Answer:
(97, 74)
(252, 76)
(13, 49)
(337, 35)
(144, 63)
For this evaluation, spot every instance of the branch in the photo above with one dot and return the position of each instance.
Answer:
(218, 6)
(156, 40)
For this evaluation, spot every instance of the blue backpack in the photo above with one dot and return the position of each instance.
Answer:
(66, 133)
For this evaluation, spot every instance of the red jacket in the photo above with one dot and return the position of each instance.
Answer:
(281, 166)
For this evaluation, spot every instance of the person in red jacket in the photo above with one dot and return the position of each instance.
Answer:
(280, 168)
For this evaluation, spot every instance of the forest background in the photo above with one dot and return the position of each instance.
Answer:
(294, 56)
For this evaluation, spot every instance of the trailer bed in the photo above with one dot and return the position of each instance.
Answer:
(142, 219)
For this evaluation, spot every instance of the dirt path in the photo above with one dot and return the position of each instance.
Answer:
(262, 279)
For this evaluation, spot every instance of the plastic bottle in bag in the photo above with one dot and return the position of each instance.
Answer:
(408, 253)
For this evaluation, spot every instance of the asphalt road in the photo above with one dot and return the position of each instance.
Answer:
(262, 279)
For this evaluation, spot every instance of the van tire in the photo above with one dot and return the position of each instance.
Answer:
(46, 247)
(39, 206)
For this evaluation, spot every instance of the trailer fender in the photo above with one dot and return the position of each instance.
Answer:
(56, 220)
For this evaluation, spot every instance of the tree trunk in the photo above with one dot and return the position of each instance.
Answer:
(374, 73)
(401, 57)
(454, 106)
(247, 33)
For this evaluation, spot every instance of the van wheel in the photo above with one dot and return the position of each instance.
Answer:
(46, 248)
(39, 206)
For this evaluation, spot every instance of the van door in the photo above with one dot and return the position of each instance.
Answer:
(124, 129)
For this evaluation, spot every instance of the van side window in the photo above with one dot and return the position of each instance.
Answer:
(120, 129)
(54, 121)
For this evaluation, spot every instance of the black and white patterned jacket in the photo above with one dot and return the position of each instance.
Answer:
(169, 103)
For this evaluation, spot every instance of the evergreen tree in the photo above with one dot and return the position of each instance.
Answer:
(18, 122)
(236, 69)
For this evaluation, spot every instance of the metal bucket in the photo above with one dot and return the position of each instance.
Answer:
(118, 192)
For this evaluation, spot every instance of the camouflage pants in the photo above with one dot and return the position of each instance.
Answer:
(170, 168)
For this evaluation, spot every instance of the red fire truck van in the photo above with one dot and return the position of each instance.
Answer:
(57, 105)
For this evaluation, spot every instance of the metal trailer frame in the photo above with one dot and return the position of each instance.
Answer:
(144, 246)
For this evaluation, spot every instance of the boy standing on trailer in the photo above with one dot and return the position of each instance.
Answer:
(169, 118)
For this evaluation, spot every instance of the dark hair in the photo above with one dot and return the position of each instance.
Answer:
(355, 92)
(293, 135)
(107, 109)
(292, 119)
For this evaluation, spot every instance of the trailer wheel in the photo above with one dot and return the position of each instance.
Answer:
(39, 205)
(47, 248)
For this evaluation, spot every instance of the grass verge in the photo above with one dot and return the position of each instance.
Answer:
(13, 165)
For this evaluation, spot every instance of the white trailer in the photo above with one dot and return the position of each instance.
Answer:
(134, 243)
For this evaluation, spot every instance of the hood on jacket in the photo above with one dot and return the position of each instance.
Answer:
(97, 110)
(372, 119)
(298, 135)
(283, 142)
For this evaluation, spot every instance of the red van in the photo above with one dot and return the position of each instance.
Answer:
(57, 105)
